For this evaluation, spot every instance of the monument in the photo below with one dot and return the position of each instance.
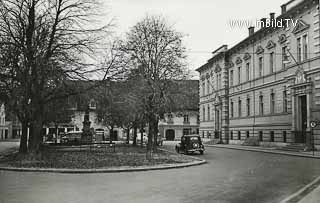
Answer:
(87, 134)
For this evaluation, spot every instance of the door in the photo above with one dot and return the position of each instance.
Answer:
(6, 133)
(301, 133)
(170, 134)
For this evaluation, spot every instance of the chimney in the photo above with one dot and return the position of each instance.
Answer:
(251, 30)
(272, 16)
(283, 8)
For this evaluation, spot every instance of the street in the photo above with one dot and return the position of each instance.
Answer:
(229, 176)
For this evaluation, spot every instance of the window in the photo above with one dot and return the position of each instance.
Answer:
(271, 62)
(299, 50)
(260, 66)
(203, 88)
(305, 47)
(220, 85)
(208, 86)
(284, 135)
(92, 104)
(239, 107)
(231, 109)
(208, 113)
(231, 77)
(260, 136)
(271, 136)
(247, 134)
(285, 101)
(261, 105)
(239, 135)
(203, 113)
(248, 106)
(239, 75)
(231, 135)
(248, 71)
(272, 102)
(186, 118)
(170, 118)
(284, 56)
(186, 131)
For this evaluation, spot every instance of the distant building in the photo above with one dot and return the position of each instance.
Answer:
(184, 117)
(176, 124)
(5, 127)
(268, 85)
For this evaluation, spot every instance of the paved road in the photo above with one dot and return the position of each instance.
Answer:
(230, 176)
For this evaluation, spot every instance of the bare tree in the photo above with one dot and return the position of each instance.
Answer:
(159, 55)
(45, 44)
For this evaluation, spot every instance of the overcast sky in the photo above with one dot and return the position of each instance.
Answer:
(205, 22)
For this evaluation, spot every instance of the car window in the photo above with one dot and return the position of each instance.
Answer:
(194, 138)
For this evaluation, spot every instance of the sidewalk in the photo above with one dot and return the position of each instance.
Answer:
(273, 150)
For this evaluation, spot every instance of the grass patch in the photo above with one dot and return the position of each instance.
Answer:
(87, 159)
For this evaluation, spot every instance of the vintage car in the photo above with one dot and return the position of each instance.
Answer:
(190, 143)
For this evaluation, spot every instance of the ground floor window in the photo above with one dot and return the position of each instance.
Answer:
(284, 135)
(271, 136)
(248, 134)
(186, 131)
(239, 135)
(260, 136)
(231, 135)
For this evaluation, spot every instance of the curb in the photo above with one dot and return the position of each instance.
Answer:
(266, 151)
(300, 194)
(108, 170)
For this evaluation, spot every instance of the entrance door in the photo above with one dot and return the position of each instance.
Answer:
(6, 133)
(301, 133)
(170, 134)
(114, 135)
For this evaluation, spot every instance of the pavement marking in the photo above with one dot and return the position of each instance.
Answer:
(297, 196)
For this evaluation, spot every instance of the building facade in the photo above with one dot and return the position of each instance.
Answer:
(268, 85)
(176, 124)
(5, 126)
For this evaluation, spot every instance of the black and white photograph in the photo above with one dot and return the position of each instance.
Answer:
(171, 101)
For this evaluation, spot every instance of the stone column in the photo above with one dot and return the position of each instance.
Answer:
(309, 137)
(294, 117)
(225, 105)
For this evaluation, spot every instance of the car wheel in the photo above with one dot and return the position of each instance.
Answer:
(201, 152)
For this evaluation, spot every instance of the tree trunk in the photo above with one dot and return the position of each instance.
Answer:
(111, 134)
(141, 134)
(135, 135)
(128, 135)
(156, 130)
(24, 138)
(36, 130)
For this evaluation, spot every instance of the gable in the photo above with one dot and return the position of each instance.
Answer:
(259, 50)
(217, 68)
(300, 26)
(247, 56)
(282, 38)
(270, 45)
(239, 60)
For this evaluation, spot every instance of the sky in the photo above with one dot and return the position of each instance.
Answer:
(206, 23)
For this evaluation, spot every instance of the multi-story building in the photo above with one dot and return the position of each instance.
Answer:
(4, 125)
(183, 119)
(268, 85)
(176, 124)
